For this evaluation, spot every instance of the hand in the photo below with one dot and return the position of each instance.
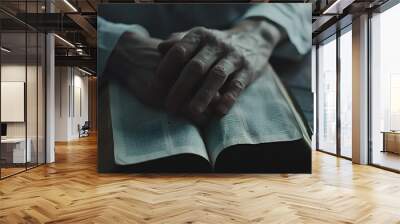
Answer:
(203, 71)
(133, 63)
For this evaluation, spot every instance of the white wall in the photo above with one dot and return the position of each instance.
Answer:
(70, 83)
(9, 73)
(33, 126)
(62, 81)
(17, 73)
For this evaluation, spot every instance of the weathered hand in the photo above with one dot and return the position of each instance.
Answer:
(133, 63)
(203, 71)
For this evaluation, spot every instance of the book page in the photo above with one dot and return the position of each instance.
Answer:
(143, 134)
(262, 114)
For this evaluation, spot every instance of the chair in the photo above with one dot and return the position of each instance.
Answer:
(84, 130)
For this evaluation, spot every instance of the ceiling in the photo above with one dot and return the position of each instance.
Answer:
(76, 22)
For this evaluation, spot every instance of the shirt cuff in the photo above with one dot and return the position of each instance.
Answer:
(108, 36)
(293, 18)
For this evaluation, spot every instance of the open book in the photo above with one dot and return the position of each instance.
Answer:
(263, 132)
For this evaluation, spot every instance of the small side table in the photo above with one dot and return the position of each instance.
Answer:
(391, 141)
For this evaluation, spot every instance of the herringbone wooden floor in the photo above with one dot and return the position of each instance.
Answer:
(71, 191)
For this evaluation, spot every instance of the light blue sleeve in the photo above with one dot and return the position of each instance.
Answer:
(108, 36)
(294, 19)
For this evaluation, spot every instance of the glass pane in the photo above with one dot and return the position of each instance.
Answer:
(14, 153)
(327, 97)
(385, 87)
(346, 94)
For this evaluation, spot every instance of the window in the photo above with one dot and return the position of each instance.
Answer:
(346, 93)
(385, 89)
(22, 77)
(327, 96)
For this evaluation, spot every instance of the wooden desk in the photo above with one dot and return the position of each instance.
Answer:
(391, 141)
(13, 150)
